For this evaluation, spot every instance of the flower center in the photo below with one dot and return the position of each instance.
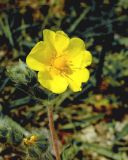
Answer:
(61, 64)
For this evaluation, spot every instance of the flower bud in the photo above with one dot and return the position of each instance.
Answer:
(21, 74)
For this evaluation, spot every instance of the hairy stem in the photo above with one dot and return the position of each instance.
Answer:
(53, 133)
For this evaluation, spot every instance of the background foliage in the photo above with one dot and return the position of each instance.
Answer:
(92, 124)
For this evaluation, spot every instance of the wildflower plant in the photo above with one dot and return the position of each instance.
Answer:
(90, 123)
(61, 62)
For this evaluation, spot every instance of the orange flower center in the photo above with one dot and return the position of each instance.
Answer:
(61, 64)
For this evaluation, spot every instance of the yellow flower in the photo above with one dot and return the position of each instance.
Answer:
(61, 61)
(30, 140)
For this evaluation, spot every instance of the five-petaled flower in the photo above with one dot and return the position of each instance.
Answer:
(61, 61)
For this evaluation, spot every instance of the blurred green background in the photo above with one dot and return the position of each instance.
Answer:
(92, 124)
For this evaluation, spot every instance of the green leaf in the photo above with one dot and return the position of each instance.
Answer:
(123, 133)
(84, 122)
(103, 151)
(6, 29)
(69, 152)
(20, 101)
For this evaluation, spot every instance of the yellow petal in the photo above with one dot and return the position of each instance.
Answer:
(58, 39)
(61, 42)
(40, 56)
(61, 32)
(49, 36)
(81, 60)
(75, 45)
(52, 81)
(77, 78)
(87, 59)
(74, 52)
